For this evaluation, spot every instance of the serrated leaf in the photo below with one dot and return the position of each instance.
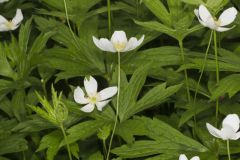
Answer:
(229, 84)
(165, 139)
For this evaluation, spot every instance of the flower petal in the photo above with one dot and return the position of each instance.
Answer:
(104, 44)
(3, 22)
(237, 136)
(79, 96)
(223, 29)
(3, 19)
(119, 37)
(183, 157)
(206, 17)
(18, 18)
(102, 104)
(195, 158)
(204, 13)
(199, 19)
(88, 108)
(107, 93)
(232, 120)
(133, 43)
(2, 1)
(91, 86)
(228, 16)
(214, 131)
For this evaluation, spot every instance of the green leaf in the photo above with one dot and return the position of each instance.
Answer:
(24, 36)
(129, 95)
(83, 130)
(229, 84)
(165, 139)
(51, 142)
(155, 96)
(96, 156)
(159, 10)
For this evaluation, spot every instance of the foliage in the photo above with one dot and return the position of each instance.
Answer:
(48, 56)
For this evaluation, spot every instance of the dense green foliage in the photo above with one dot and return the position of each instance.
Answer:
(43, 61)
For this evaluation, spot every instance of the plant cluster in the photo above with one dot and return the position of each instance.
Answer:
(162, 94)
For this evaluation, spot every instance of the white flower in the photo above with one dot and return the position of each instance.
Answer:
(183, 157)
(207, 20)
(118, 42)
(230, 126)
(13, 24)
(100, 99)
(2, 1)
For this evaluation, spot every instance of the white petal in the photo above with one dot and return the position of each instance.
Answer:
(232, 120)
(228, 16)
(183, 157)
(237, 136)
(91, 86)
(195, 158)
(107, 93)
(133, 43)
(228, 133)
(119, 37)
(104, 44)
(199, 19)
(214, 131)
(3, 20)
(206, 17)
(102, 104)
(204, 13)
(79, 96)
(18, 18)
(223, 29)
(2, 1)
(88, 108)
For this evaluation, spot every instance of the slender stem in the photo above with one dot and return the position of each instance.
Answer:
(201, 74)
(109, 17)
(217, 71)
(104, 148)
(66, 141)
(69, 25)
(228, 150)
(118, 95)
(203, 67)
(185, 70)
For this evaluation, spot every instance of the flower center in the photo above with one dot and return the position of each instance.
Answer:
(9, 24)
(93, 99)
(119, 46)
(217, 21)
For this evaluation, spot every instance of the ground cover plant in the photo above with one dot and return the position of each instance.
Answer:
(119, 79)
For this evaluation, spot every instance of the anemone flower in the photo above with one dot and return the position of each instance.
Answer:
(207, 20)
(92, 97)
(118, 42)
(184, 157)
(7, 25)
(229, 130)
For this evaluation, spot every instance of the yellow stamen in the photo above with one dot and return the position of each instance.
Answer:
(93, 100)
(9, 24)
(119, 46)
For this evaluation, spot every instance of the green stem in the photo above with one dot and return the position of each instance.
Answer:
(217, 71)
(228, 150)
(201, 73)
(69, 25)
(104, 148)
(66, 141)
(116, 117)
(109, 17)
(185, 70)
